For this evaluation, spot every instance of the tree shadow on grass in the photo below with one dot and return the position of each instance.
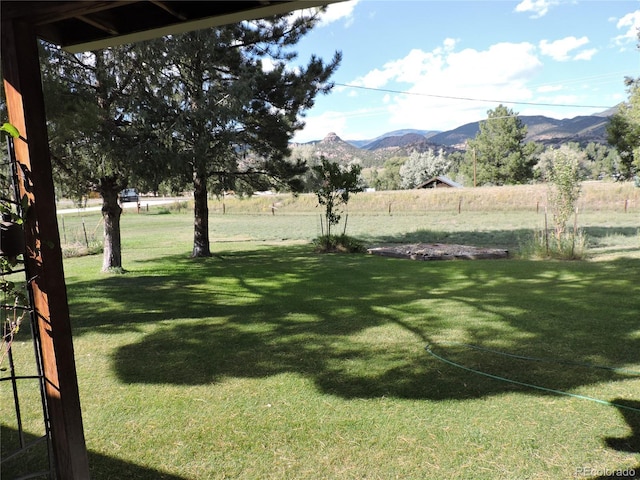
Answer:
(512, 240)
(630, 411)
(508, 239)
(34, 460)
(357, 325)
(603, 232)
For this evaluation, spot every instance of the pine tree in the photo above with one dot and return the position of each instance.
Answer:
(623, 131)
(498, 153)
(233, 101)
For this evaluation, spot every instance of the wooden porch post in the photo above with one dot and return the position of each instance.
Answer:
(43, 257)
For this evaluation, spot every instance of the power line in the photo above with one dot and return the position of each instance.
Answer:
(419, 94)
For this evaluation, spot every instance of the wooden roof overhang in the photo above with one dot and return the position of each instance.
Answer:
(78, 26)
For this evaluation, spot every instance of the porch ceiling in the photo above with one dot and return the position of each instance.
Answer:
(85, 25)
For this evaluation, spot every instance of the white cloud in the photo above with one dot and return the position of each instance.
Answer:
(586, 54)
(538, 8)
(317, 126)
(560, 50)
(630, 23)
(339, 11)
(268, 64)
(502, 63)
(439, 79)
(374, 79)
(449, 44)
(409, 69)
(335, 12)
(415, 65)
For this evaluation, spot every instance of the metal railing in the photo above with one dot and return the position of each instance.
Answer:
(18, 452)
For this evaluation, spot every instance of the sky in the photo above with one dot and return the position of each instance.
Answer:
(437, 65)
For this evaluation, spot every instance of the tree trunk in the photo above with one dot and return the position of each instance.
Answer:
(111, 211)
(201, 217)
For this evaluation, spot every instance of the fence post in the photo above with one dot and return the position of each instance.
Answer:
(86, 239)
(546, 231)
(64, 230)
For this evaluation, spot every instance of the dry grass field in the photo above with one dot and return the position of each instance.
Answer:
(596, 196)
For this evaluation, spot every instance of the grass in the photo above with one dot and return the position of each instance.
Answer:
(272, 361)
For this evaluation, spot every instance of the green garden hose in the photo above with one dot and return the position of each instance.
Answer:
(430, 351)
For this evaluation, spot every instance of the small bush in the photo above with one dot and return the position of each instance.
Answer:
(81, 249)
(338, 244)
(546, 245)
(179, 206)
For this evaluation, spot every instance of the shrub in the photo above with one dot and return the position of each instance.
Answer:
(179, 206)
(564, 188)
(77, 249)
(336, 184)
(338, 244)
(572, 245)
(563, 173)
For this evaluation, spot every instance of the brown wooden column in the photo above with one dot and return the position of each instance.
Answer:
(25, 104)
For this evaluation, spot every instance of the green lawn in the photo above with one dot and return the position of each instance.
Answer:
(271, 361)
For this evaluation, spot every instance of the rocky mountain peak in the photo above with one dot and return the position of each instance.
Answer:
(332, 137)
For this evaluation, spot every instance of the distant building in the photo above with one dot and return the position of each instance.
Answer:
(439, 182)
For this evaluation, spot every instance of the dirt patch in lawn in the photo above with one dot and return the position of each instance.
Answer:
(438, 251)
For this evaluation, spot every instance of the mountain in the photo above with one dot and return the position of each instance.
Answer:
(541, 129)
(395, 141)
(375, 154)
(400, 143)
(334, 148)
(396, 133)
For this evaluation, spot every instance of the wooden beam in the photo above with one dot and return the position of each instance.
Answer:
(241, 11)
(100, 25)
(41, 13)
(43, 257)
(168, 9)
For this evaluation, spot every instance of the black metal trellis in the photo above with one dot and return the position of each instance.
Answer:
(11, 374)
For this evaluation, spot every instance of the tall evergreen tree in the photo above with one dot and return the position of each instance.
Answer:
(101, 139)
(232, 103)
(623, 131)
(498, 154)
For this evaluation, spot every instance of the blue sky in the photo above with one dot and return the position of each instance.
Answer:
(436, 65)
